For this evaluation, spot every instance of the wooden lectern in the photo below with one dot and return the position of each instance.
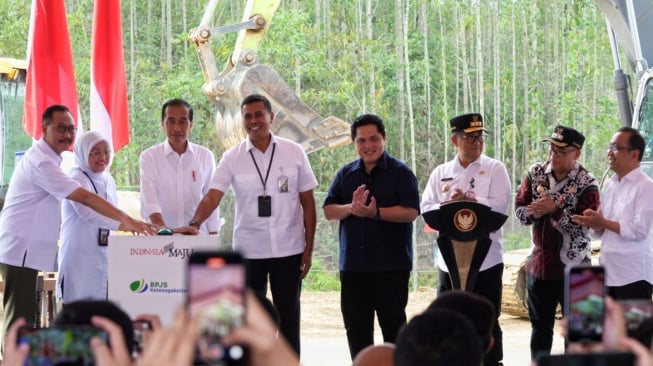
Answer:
(464, 238)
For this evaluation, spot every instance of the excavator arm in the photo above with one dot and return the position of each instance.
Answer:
(244, 75)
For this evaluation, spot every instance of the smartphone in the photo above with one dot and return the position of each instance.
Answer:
(140, 327)
(636, 312)
(585, 293)
(60, 345)
(216, 293)
(589, 359)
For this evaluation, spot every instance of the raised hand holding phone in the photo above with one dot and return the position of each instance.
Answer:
(216, 294)
(585, 293)
(60, 344)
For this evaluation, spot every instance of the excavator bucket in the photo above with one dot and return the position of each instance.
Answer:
(293, 119)
(243, 75)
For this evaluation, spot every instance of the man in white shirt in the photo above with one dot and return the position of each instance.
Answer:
(624, 222)
(31, 217)
(176, 174)
(275, 218)
(473, 176)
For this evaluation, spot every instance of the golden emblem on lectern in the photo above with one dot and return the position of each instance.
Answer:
(465, 220)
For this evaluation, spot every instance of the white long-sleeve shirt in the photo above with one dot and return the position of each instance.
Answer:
(487, 178)
(83, 264)
(628, 256)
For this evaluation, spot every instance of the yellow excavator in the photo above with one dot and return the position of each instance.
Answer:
(11, 68)
(12, 84)
(244, 75)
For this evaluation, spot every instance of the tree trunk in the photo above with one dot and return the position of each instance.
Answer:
(478, 54)
(496, 118)
(427, 81)
(400, 77)
(515, 128)
(464, 62)
(409, 92)
(443, 79)
(168, 24)
(184, 22)
(370, 54)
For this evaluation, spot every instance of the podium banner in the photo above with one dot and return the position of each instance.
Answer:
(147, 274)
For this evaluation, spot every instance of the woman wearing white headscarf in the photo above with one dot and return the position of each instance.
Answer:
(83, 262)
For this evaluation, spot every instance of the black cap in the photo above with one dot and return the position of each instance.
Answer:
(564, 136)
(467, 123)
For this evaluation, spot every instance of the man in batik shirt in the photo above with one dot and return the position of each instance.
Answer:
(549, 195)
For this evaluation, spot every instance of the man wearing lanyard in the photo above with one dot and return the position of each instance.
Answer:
(274, 223)
(472, 175)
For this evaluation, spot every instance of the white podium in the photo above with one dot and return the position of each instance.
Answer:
(147, 274)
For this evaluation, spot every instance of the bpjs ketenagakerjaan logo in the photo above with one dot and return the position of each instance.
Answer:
(142, 286)
(169, 249)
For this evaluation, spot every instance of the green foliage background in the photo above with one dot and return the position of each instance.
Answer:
(525, 64)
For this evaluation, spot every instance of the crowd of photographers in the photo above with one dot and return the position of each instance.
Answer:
(454, 330)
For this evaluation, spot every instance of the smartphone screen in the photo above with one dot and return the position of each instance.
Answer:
(636, 312)
(589, 359)
(61, 345)
(585, 303)
(216, 292)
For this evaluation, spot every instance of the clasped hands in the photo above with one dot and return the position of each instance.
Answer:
(458, 195)
(358, 200)
(541, 207)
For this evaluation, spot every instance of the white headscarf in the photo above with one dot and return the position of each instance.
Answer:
(83, 147)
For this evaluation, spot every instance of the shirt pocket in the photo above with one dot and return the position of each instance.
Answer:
(247, 183)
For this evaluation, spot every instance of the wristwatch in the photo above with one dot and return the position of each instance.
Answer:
(378, 214)
(194, 223)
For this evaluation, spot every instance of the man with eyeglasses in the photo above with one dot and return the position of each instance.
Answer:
(31, 217)
(625, 220)
(175, 175)
(473, 176)
(550, 194)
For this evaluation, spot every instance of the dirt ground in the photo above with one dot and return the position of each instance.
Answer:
(324, 341)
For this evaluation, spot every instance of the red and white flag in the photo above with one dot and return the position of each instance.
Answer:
(109, 114)
(50, 73)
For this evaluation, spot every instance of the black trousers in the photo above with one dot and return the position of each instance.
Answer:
(544, 296)
(364, 293)
(640, 290)
(285, 285)
(19, 298)
(489, 284)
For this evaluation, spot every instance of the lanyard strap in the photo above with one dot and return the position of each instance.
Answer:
(93, 184)
(267, 174)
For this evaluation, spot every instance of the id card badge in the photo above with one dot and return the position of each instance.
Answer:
(264, 206)
(103, 237)
(283, 184)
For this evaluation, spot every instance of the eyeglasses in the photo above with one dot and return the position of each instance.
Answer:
(473, 138)
(614, 148)
(63, 129)
(559, 152)
(99, 153)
